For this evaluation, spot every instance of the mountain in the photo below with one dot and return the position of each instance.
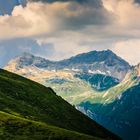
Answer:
(118, 108)
(99, 69)
(94, 62)
(30, 110)
(102, 62)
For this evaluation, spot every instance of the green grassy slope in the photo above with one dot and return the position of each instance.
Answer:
(27, 99)
(16, 128)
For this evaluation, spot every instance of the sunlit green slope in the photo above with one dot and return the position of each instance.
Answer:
(17, 128)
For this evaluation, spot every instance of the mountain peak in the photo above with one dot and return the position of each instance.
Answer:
(106, 56)
(107, 51)
(27, 59)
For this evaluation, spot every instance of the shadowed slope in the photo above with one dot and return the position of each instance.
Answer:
(30, 100)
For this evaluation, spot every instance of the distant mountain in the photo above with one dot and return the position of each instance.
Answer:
(97, 62)
(118, 109)
(94, 62)
(29, 110)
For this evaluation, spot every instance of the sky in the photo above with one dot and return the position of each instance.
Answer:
(59, 29)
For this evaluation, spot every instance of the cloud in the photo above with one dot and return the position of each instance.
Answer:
(48, 18)
(126, 12)
(106, 18)
(129, 50)
(66, 46)
(25, 22)
(96, 3)
(137, 1)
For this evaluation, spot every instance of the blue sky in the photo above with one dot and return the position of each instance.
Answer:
(63, 28)
(6, 6)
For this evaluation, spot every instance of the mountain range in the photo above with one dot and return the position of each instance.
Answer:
(98, 83)
(95, 62)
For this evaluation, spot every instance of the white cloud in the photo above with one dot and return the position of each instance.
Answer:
(67, 45)
(126, 12)
(128, 50)
(29, 21)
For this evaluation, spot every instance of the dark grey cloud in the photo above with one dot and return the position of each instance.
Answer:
(11, 48)
(95, 3)
(80, 1)
(93, 14)
(137, 1)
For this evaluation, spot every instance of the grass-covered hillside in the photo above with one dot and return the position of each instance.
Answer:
(28, 109)
(17, 128)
